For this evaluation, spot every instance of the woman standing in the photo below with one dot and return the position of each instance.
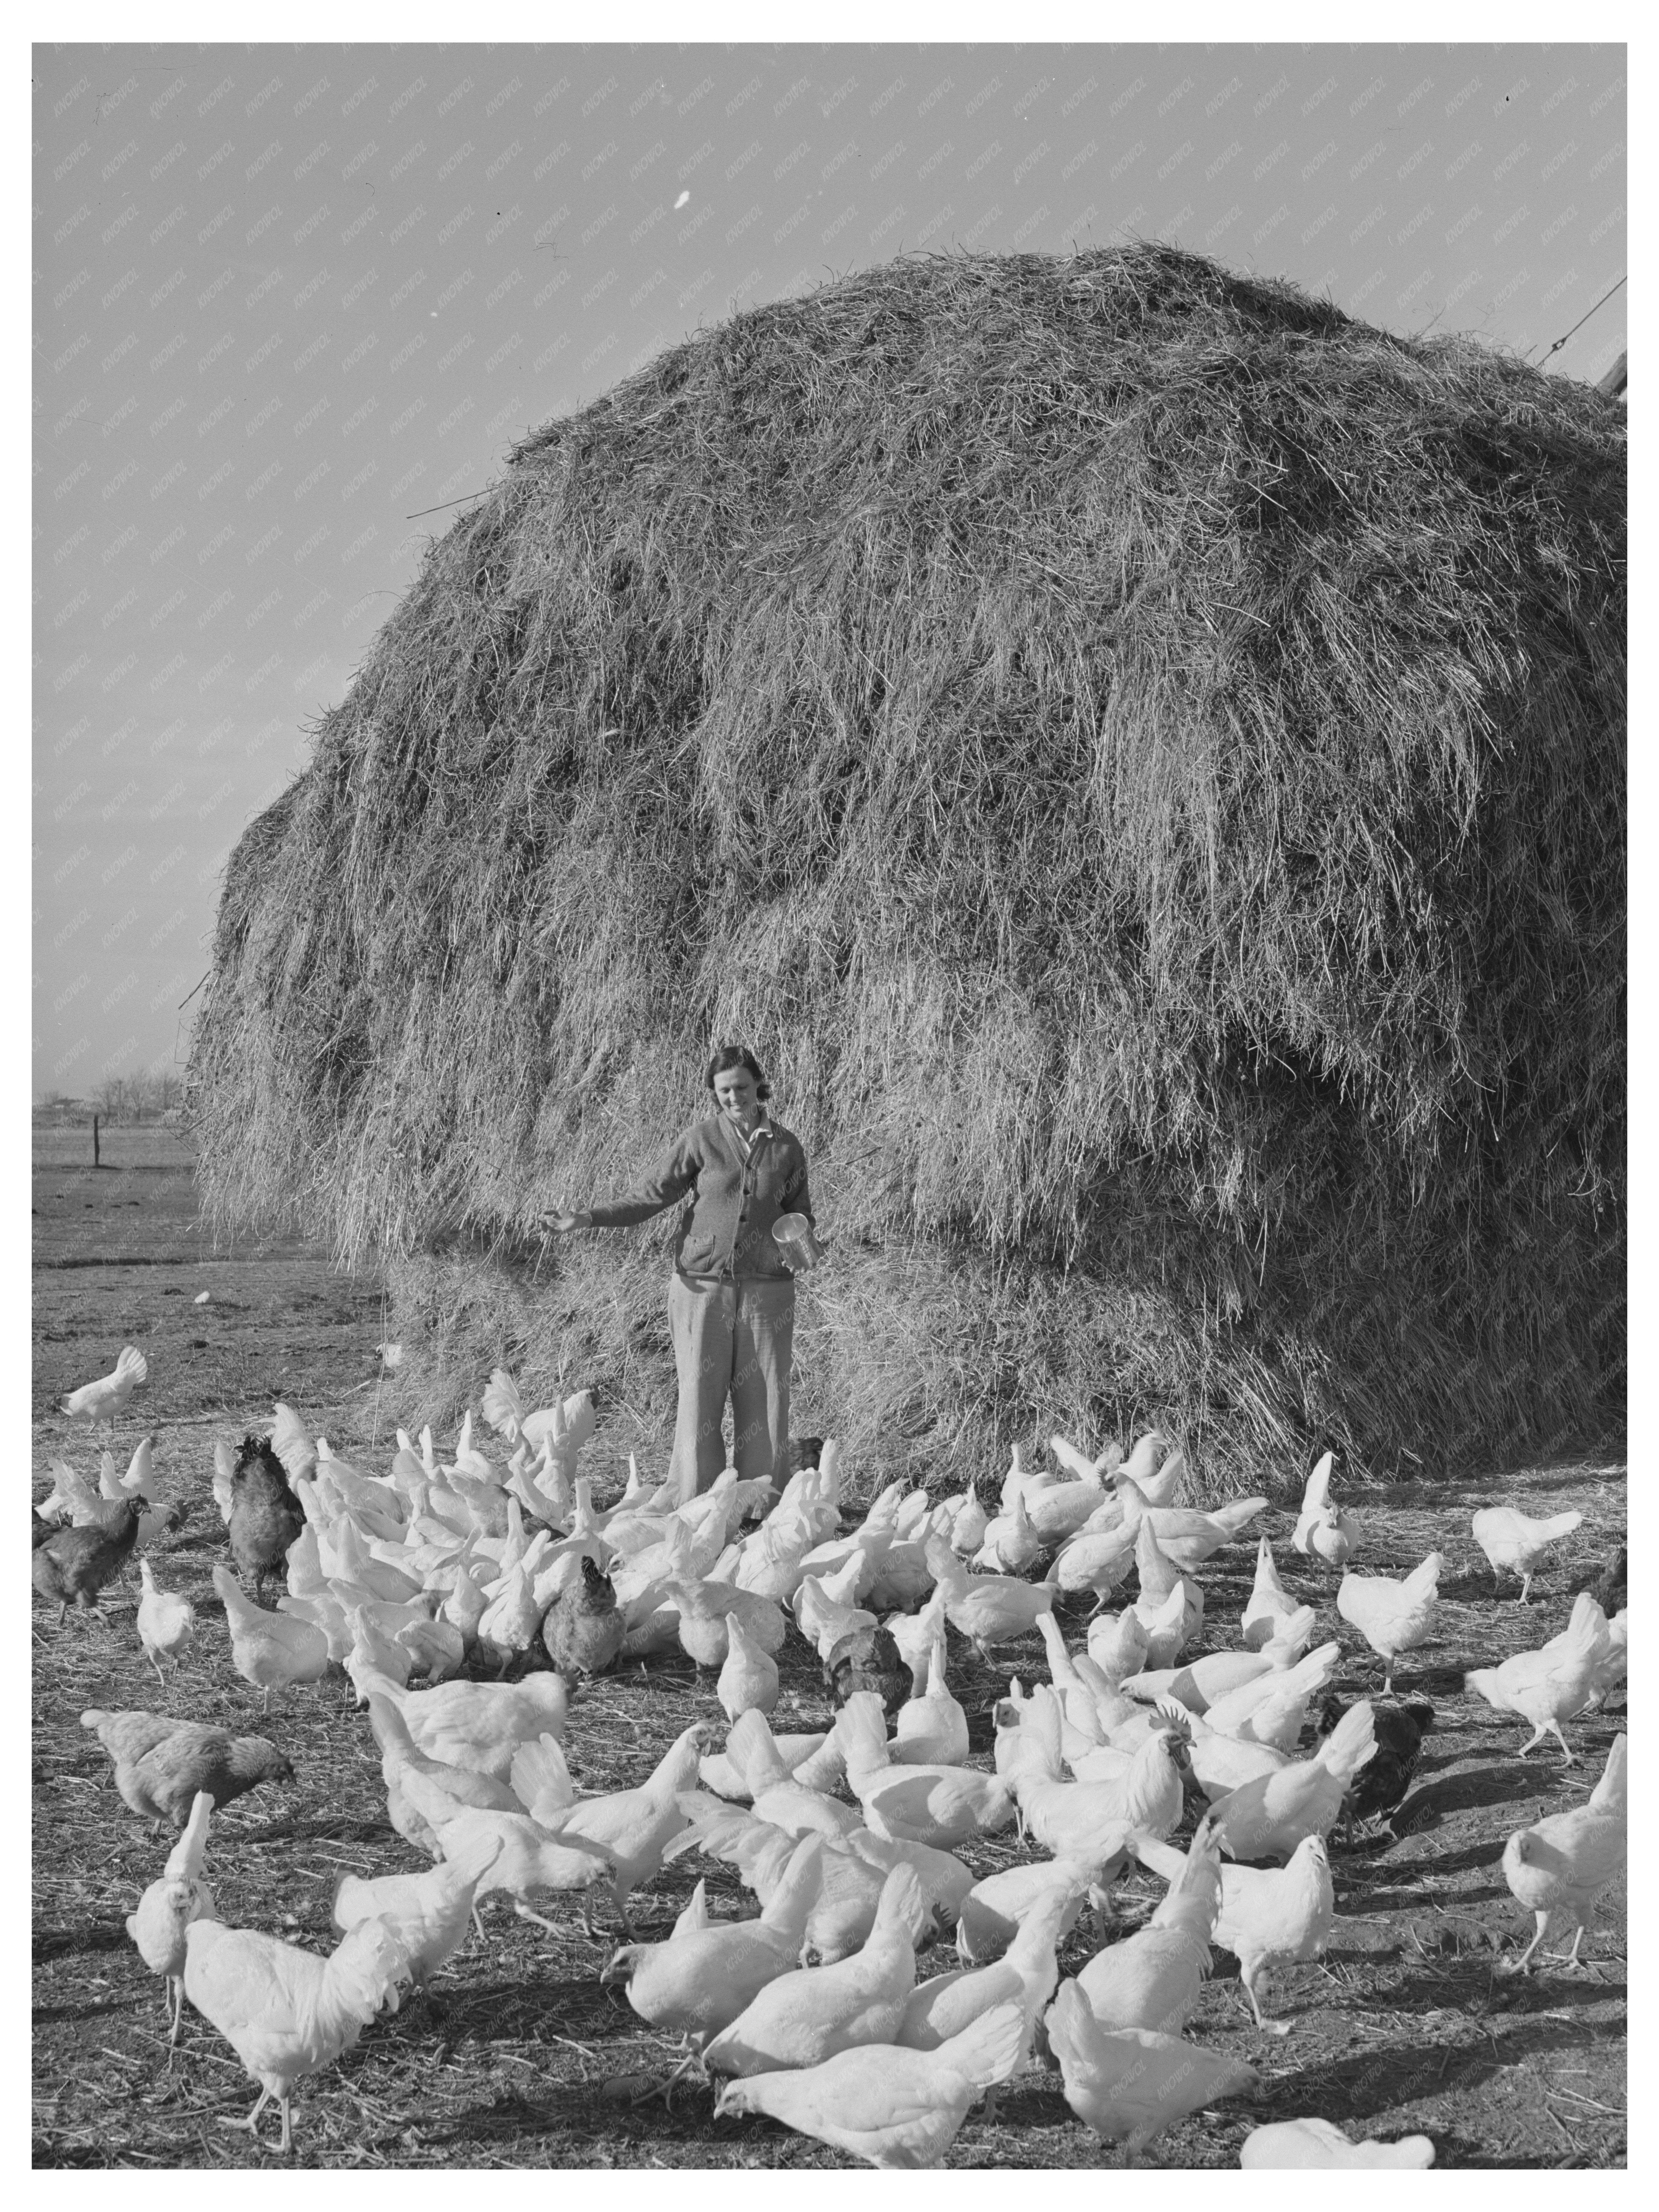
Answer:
(731, 1297)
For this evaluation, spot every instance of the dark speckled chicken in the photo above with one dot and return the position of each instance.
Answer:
(583, 1627)
(160, 1764)
(71, 1566)
(266, 1516)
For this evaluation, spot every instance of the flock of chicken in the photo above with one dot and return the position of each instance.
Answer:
(847, 1836)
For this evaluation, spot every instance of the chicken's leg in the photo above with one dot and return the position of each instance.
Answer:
(1267, 2026)
(1519, 1965)
(251, 2123)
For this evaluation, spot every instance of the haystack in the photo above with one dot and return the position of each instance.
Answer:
(1140, 757)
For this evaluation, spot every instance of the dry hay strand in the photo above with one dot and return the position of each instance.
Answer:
(1140, 757)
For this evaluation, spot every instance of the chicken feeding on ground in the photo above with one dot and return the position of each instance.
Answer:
(1324, 1531)
(748, 1682)
(103, 1400)
(168, 1907)
(72, 1566)
(853, 1870)
(930, 1728)
(1267, 1818)
(1271, 1708)
(266, 1516)
(986, 1609)
(1551, 1684)
(868, 1658)
(270, 1650)
(1284, 2146)
(941, 1805)
(1129, 2084)
(583, 1627)
(1399, 1726)
(795, 1798)
(1513, 1541)
(1189, 1537)
(1269, 1916)
(632, 1826)
(401, 1758)
(1269, 1602)
(160, 1764)
(483, 1725)
(1557, 1867)
(429, 1912)
(167, 1622)
(287, 2012)
(1393, 1617)
(1117, 1643)
(1027, 1974)
(1202, 1682)
(1221, 1764)
(806, 2016)
(1087, 1819)
(992, 1913)
(707, 1973)
(1153, 1978)
(892, 2108)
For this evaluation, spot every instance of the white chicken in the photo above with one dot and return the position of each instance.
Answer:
(109, 1395)
(1393, 1617)
(169, 1907)
(1288, 2145)
(925, 1803)
(1551, 1684)
(1557, 1867)
(270, 1650)
(1269, 1602)
(1512, 1541)
(286, 2012)
(1323, 1530)
(1269, 1916)
(1129, 2084)
(165, 1622)
(804, 2017)
(892, 2108)
(428, 1912)
(1152, 1980)
(1268, 1817)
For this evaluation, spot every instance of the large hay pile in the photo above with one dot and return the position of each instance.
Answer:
(1140, 757)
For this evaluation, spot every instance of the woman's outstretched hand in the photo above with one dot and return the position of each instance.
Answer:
(562, 1224)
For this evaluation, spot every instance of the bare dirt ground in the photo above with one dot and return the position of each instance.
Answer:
(1403, 2027)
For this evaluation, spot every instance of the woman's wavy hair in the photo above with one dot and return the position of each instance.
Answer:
(738, 1055)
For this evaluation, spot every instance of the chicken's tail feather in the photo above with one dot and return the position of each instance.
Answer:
(1608, 1795)
(185, 1860)
(987, 2051)
(1424, 1578)
(1351, 1743)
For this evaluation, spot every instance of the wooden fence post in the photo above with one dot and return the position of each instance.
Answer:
(95, 1140)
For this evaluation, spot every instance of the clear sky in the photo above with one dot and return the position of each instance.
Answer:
(286, 301)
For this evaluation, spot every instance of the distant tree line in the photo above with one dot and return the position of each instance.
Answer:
(147, 1094)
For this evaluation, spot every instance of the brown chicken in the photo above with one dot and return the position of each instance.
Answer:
(868, 1659)
(160, 1764)
(266, 1516)
(583, 1627)
(70, 1566)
